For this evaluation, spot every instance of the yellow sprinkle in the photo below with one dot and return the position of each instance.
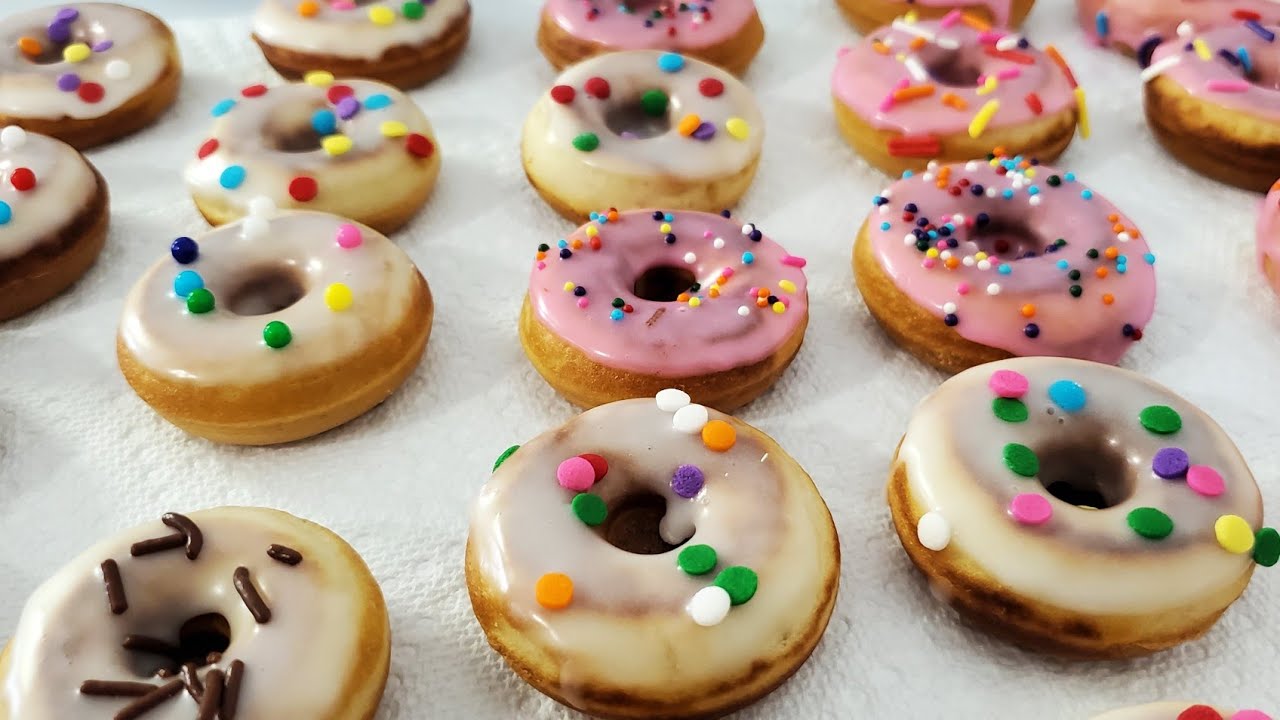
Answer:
(568, 287)
(695, 302)
(393, 129)
(932, 252)
(1029, 172)
(1234, 534)
(989, 86)
(336, 144)
(1202, 49)
(911, 17)
(1085, 129)
(779, 308)
(979, 255)
(738, 128)
(76, 52)
(318, 78)
(338, 297)
(979, 123)
(787, 286)
(382, 15)
(592, 231)
(664, 227)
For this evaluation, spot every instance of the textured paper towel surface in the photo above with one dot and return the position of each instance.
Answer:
(81, 456)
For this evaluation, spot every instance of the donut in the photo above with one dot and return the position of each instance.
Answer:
(405, 44)
(1217, 115)
(86, 73)
(53, 218)
(967, 264)
(1181, 711)
(949, 90)
(634, 302)
(1269, 237)
(867, 15)
(1076, 508)
(642, 128)
(275, 328)
(652, 560)
(359, 149)
(1135, 27)
(228, 612)
(726, 34)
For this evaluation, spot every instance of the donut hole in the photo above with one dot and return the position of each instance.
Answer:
(634, 524)
(953, 68)
(289, 129)
(51, 52)
(664, 283)
(1092, 475)
(267, 290)
(1008, 240)
(630, 120)
(201, 640)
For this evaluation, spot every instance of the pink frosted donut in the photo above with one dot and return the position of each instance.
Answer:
(1137, 26)
(867, 15)
(972, 263)
(1181, 711)
(1269, 236)
(635, 302)
(948, 91)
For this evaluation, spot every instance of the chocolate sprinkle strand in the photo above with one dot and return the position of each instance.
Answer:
(249, 593)
(160, 544)
(150, 701)
(150, 645)
(212, 698)
(231, 693)
(191, 680)
(286, 555)
(115, 688)
(115, 587)
(195, 538)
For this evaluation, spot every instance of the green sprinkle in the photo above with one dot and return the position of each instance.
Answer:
(199, 301)
(1076, 290)
(586, 142)
(413, 10)
(740, 582)
(1009, 410)
(654, 103)
(1054, 181)
(1266, 547)
(503, 457)
(697, 559)
(1074, 275)
(1150, 523)
(1160, 419)
(618, 302)
(590, 509)
(1092, 253)
(276, 334)
(1021, 459)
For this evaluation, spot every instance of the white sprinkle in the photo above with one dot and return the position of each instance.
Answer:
(908, 239)
(690, 258)
(958, 219)
(709, 606)
(1123, 237)
(949, 308)
(945, 255)
(255, 227)
(991, 192)
(932, 165)
(984, 264)
(1018, 182)
(1008, 42)
(13, 137)
(927, 177)
(672, 399)
(743, 310)
(916, 69)
(262, 206)
(993, 289)
(1186, 29)
(933, 531)
(718, 243)
(746, 229)
(968, 261)
(1159, 68)
(886, 193)
(1035, 200)
(971, 165)
(118, 69)
(690, 419)
(885, 209)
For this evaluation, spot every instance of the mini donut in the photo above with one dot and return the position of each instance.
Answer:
(359, 149)
(275, 328)
(53, 219)
(405, 44)
(966, 264)
(634, 302)
(867, 15)
(1077, 508)
(1181, 711)
(86, 73)
(643, 129)
(1269, 237)
(652, 560)
(229, 612)
(949, 90)
(1135, 27)
(1217, 116)
(725, 34)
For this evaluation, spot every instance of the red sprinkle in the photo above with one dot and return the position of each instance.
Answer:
(337, 92)
(254, 91)
(914, 146)
(1243, 15)
(599, 464)
(419, 145)
(1011, 55)
(303, 188)
(595, 243)
(1033, 102)
(23, 179)
(628, 309)
(563, 94)
(91, 92)
(1199, 712)
(209, 147)
(710, 87)
(597, 87)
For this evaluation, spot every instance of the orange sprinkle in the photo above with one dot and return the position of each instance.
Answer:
(682, 297)
(722, 280)
(308, 8)
(884, 49)
(1133, 232)
(577, 244)
(1058, 60)
(952, 263)
(714, 292)
(762, 292)
(1028, 310)
(1100, 272)
(952, 100)
(719, 435)
(613, 216)
(762, 302)
(1117, 228)
(30, 45)
(1113, 217)
(542, 256)
(916, 43)
(1112, 253)
(554, 591)
(999, 151)
(688, 124)
(975, 22)
(913, 92)
(1108, 298)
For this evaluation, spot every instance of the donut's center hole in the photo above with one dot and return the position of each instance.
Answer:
(1007, 240)
(1091, 474)
(953, 69)
(201, 641)
(266, 290)
(291, 129)
(664, 283)
(1265, 71)
(633, 524)
(635, 119)
(50, 52)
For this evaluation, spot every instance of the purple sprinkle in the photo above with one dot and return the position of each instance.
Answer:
(68, 82)
(348, 107)
(687, 481)
(103, 46)
(67, 15)
(628, 135)
(705, 131)
(1170, 463)
(59, 31)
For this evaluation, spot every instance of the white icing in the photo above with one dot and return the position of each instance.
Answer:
(64, 184)
(351, 33)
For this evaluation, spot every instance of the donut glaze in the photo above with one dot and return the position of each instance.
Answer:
(633, 26)
(321, 650)
(1018, 257)
(1269, 237)
(1215, 79)
(364, 32)
(64, 183)
(1181, 711)
(1132, 24)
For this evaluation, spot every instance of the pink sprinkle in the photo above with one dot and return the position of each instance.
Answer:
(949, 19)
(1251, 715)
(786, 301)
(753, 292)
(1008, 73)
(982, 80)
(990, 37)
(342, 4)
(1030, 509)
(727, 273)
(1008, 384)
(576, 474)
(1205, 480)
(962, 289)
(928, 263)
(349, 236)
(794, 261)
(707, 234)
(542, 265)
(887, 104)
(1228, 85)
(583, 303)
(843, 50)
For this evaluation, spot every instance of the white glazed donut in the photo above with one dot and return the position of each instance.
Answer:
(275, 328)
(359, 149)
(235, 612)
(86, 73)
(643, 129)
(1181, 711)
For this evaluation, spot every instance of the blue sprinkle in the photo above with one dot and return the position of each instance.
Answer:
(1069, 177)
(885, 226)
(1007, 194)
(1122, 269)
(562, 243)
(1260, 31)
(748, 258)
(1150, 258)
(1103, 24)
(1033, 190)
(232, 177)
(1087, 194)
(594, 216)
(377, 102)
(187, 282)
(324, 122)
(906, 174)
(879, 200)
(1246, 61)
(1067, 395)
(1004, 269)
(604, 220)
(671, 62)
(933, 234)
(1063, 264)
(669, 217)
(616, 314)
(223, 107)
(184, 250)
(6, 212)
(1122, 260)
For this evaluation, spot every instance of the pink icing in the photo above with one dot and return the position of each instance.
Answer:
(1269, 233)
(865, 79)
(1219, 81)
(1024, 214)
(699, 25)
(670, 339)
(1130, 22)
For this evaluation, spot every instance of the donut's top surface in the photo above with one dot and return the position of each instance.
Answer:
(1181, 711)
(347, 29)
(44, 185)
(1269, 234)
(672, 294)
(78, 60)
(1236, 66)
(1135, 23)
(651, 24)
(1084, 486)
(1017, 256)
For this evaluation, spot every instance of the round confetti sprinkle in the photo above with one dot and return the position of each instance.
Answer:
(200, 302)
(503, 457)
(687, 481)
(382, 16)
(597, 87)
(324, 122)
(1021, 460)
(1205, 481)
(710, 87)
(1150, 523)
(1266, 547)
(1067, 395)
(22, 179)
(338, 297)
(670, 62)
(232, 177)
(719, 435)
(276, 334)
(337, 145)
(1008, 384)
(671, 399)
(184, 250)
(1030, 509)
(419, 145)
(187, 282)
(349, 236)
(598, 464)
(654, 103)
(413, 10)
(738, 128)
(393, 129)
(933, 531)
(6, 212)
(1234, 534)
(348, 107)
(1199, 712)
(554, 591)
(1250, 715)
(697, 559)
(223, 107)
(576, 474)
(1170, 463)
(586, 142)
(563, 94)
(1160, 419)
(590, 509)
(76, 52)
(740, 582)
(303, 189)
(318, 78)
(91, 92)
(377, 101)
(709, 606)
(68, 82)
(690, 419)
(1008, 410)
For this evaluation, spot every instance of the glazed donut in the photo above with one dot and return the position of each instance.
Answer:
(230, 612)
(574, 573)
(634, 302)
(359, 149)
(1214, 115)
(966, 264)
(727, 34)
(1135, 27)
(53, 218)
(405, 44)
(643, 129)
(86, 73)
(275, 328)
(867, 15)
(1065, 505)
(1181, 711)
(945, 90)
(1269, 237)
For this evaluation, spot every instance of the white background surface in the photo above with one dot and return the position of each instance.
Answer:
(82, 457)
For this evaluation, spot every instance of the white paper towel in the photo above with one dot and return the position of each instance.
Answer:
(81, 456)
